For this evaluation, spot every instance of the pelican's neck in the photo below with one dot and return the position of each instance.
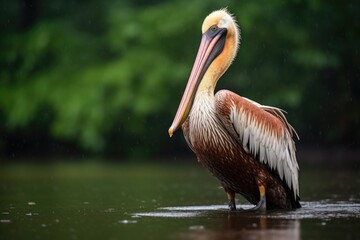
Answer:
(208, 83)
(204, 102)
(202, 114)
(204, 125)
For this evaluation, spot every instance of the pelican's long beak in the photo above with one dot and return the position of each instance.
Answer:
(211, 45)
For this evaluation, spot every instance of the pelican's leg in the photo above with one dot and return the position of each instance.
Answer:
(261, 205)
(231, 197)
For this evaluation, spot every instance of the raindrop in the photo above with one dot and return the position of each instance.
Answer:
(197, 227)
(127, 221)
(109, 210)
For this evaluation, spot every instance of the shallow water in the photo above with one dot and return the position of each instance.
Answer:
(124, 201)
(309, 210)
(337, 220)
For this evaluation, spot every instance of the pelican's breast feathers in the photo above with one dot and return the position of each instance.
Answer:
(263, 132)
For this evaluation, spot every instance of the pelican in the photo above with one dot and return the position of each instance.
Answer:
(249, 147)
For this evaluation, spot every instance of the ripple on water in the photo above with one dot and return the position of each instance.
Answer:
(171, 214)
(315, 210)
(322, 210)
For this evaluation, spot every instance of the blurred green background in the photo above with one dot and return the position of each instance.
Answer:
(104, 78)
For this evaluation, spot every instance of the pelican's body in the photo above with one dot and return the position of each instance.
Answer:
(247, 146)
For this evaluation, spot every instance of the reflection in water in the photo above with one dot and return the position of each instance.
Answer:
(232, 225)
(240, 226)
(217, 223)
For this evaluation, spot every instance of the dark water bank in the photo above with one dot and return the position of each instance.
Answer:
(162, 201)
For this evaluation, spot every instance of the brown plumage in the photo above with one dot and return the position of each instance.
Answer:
(247, 146)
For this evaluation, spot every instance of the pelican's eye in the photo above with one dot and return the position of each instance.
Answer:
(213, 28)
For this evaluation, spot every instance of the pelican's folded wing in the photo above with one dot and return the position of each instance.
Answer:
(262, 131)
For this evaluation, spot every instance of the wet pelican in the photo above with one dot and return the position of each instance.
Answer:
(247, 146)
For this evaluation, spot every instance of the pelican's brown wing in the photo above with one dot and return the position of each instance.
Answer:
(262, 131)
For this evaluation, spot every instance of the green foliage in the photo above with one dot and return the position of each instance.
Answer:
(109, 77)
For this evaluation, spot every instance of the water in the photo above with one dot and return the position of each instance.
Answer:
(162, 201)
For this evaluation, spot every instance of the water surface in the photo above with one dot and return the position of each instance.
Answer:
(162, 201)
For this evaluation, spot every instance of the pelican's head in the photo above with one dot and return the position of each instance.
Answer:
(218, 47)
(222, 26)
